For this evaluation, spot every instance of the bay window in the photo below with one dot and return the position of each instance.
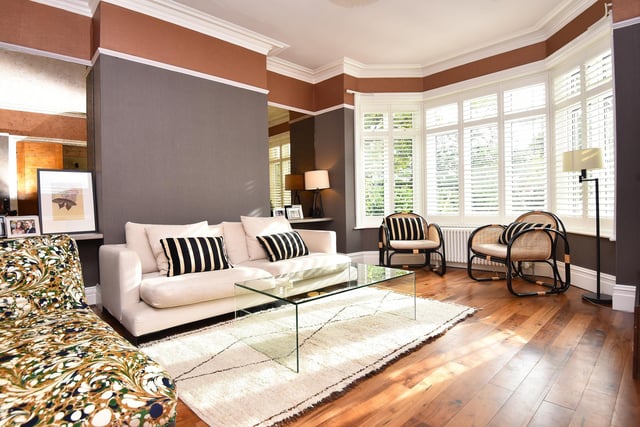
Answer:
(488, 154)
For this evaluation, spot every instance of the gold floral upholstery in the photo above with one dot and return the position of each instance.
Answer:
(60, 364)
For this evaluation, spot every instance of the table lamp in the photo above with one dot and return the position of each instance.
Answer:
(316, 180)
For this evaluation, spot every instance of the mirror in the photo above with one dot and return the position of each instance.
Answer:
(42, 123)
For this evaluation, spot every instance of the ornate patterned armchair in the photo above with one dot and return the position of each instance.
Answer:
(410, 233)
(534, 237)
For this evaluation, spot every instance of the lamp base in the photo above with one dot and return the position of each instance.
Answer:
(603, 299)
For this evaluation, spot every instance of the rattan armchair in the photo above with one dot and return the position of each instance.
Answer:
(410, 233)
(534, 237)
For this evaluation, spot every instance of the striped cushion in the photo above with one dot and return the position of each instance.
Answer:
(194, 254)
(405, 228)
(516, 227)
(283, 245)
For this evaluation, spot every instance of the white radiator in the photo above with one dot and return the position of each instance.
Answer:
(455, 241)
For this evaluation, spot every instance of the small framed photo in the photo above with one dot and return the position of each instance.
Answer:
(3, 232)
(22, 226)
(279, 212)
(67, 202)
(295, 212)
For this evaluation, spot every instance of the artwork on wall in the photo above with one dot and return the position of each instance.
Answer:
(22, 226)
(66, 200)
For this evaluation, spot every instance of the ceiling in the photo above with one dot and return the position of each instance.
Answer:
(393, 33)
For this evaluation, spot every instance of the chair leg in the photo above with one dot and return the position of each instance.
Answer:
(479, 279)
(558, 286)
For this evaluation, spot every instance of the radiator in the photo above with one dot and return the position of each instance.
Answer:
(455, 241)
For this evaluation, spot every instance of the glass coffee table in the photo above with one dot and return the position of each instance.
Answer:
(269, 311)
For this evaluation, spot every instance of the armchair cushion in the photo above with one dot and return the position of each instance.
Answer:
(405, 228)
(516, 227)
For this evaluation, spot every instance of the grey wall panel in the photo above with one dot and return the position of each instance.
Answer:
(627, 88)
(173, 148)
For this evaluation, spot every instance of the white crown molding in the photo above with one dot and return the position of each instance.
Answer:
(183, 16)
(544, 29)
(196, 20)
(44, 53)
(80, 7)
(563, 14)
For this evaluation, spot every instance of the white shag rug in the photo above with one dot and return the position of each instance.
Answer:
(343, 338)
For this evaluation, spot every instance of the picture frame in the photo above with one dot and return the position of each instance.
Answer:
(279, 212)
(3, 232)
(295, 212)
(22, 226)
(66, 200)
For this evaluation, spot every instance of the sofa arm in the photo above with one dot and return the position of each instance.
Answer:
(319, 240)
(120, 277)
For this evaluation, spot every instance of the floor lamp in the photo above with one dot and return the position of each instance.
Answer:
(316, 180)
(582, 160)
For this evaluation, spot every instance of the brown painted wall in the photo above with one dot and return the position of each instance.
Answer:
(290, 92)
(625, 9)
(36, 26)
(43, 125)
(133, 33)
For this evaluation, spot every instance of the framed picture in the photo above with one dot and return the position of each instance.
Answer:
(295, 212)
(22, 226)
(66, 200)
(278, 212)
(3, 233)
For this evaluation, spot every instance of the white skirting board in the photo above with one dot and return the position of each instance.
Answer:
(584, 278)
(91, 294)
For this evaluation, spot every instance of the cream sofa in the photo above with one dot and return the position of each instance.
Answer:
(136, 290)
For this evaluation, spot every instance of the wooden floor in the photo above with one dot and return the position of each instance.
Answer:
(537, 361)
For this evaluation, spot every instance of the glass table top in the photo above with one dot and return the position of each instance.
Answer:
(316, 283)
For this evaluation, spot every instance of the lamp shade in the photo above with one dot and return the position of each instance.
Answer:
(578, 160)
(316, 180)
(294, 182)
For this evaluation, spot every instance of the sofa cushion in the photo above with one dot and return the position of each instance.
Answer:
(281, 246)
(155, 232)
(194, 254)
(160, 291)
(137, 240)
(313, 260)
(235, 242)
(262, 226)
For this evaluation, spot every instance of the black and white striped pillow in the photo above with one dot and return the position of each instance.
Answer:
(194, 254)
(283, 245)
(405, 228)
(515, 227)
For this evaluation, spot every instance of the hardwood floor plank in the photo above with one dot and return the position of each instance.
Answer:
(517, 361)
(482, 408)
(549, 414)
(570, 385)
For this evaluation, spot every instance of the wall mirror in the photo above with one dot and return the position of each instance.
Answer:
(42, 122)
